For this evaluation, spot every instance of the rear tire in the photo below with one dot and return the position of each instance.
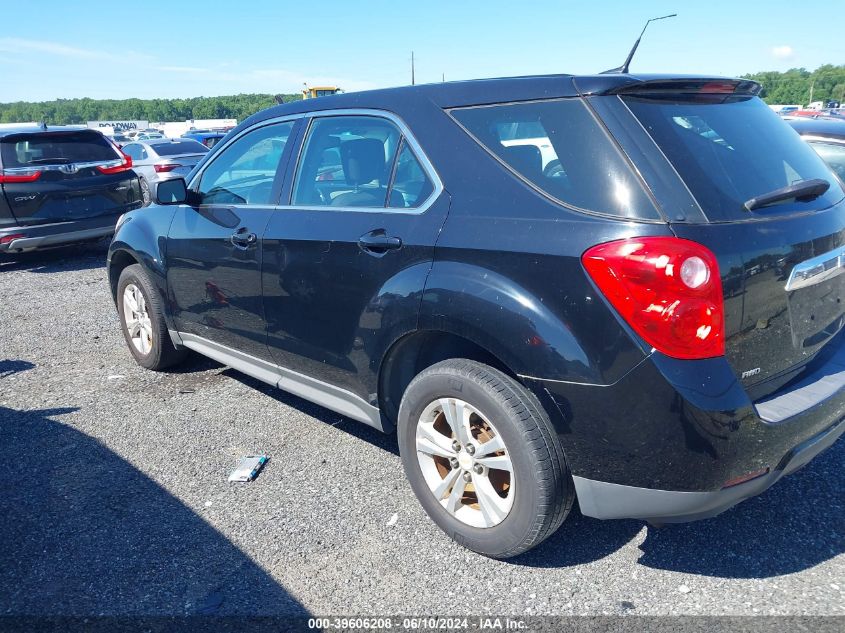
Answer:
(142, 321)
(509, 443)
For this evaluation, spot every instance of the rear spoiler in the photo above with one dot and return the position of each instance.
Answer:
(627, 84)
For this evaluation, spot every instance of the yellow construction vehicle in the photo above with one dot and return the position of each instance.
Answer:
(319, 91)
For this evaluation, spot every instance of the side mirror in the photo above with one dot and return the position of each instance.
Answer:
(173, 191)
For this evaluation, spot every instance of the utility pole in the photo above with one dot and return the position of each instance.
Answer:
(412, 68)
(443, 77)
(812, 85)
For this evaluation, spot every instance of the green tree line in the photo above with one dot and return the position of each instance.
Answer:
(798, 85)
(74, 111)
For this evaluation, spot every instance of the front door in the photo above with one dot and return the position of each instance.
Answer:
(214, 245)
(348, 258)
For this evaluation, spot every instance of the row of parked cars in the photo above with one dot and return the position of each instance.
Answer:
(625, 290)
(64, 184)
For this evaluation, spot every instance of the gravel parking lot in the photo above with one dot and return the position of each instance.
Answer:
(115, 501)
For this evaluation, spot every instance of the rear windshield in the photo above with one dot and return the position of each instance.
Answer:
(560, 148)
(174, 148)
(47, 148)
(731, 149)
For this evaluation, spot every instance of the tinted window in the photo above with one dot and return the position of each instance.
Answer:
(559, 147)
(410, 186)
(346, 162)
(179, 147)
(21, 150)
(833, 155)
(244, 172)
(731, 149)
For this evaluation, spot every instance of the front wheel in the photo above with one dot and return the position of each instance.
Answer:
(146, 193)
(142, 321)
(482, 458)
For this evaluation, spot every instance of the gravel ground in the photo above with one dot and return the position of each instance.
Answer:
(115, 501)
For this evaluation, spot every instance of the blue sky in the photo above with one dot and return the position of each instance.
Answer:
(181, 48)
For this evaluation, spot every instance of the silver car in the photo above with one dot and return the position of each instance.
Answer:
(155, 160)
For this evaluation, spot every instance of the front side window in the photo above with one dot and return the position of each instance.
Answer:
(244, 172)
(560, 148)
(346, 162)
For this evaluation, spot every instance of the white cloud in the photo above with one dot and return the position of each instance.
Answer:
(17, 45)
(189, 70)
(783, 52)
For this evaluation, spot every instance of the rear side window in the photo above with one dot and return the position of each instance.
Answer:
(174, 148)
(411, 186)
(560, 148)
(55, 148)
(347, 162)
(731, 149)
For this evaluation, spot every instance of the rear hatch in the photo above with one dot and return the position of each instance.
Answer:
(781, 261)
(56, 176)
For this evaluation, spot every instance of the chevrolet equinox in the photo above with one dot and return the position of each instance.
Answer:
(620, 289)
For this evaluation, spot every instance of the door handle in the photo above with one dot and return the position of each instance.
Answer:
(378, 242)
(242, 238)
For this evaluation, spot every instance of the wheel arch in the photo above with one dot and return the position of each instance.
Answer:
(416, 351)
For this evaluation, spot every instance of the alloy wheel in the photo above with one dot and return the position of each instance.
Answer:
(465, 462)
(137, 319)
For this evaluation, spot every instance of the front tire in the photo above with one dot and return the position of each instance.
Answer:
(142, 321)
(482, 458)
(146, 193)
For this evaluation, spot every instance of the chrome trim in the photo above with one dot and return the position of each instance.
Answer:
(66, 168)
(334, 398)
(229, 141)
(406, 134)
(23, 244)
(425, 163)
(817, 269)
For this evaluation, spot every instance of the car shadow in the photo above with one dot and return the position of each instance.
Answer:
(87, 534)
(9, 366)
(795, 525)
(87, 256)
(384, 441)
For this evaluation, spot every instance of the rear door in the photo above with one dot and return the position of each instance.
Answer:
(347, 259)
(65, 175)
(781, 263)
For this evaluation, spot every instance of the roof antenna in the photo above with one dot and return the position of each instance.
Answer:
(623, 69)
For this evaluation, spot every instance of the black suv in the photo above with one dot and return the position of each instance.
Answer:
(61, 185)
(621, 289)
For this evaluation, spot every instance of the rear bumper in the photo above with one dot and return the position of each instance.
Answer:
(58, 234)
(669, 440)
(604, 500)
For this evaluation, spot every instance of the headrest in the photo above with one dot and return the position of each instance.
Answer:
(526, 159)
(363, 160)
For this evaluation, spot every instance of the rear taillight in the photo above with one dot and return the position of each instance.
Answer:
(124, 163)
(19, 175)
(667, 289)
(165, 167)
(11, 238)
